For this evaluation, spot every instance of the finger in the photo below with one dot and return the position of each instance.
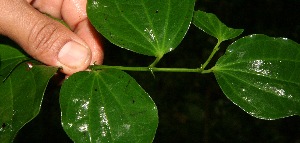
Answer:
(87, 32)
(51, 7)
(73, 12)
(42, 37)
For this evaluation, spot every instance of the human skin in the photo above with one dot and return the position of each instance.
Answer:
(49, 41)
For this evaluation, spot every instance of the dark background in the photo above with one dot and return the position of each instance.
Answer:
(192, 108)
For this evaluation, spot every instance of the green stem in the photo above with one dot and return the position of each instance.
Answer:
(216, 48)
(156, 61)
(151, 69)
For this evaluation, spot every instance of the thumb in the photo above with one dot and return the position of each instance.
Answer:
(43, 38)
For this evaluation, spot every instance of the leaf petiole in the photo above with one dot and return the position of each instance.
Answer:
(156, 61)
(216, 48)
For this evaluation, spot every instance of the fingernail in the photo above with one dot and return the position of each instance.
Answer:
(73, 55)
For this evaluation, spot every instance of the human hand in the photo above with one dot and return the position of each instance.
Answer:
(49, 41)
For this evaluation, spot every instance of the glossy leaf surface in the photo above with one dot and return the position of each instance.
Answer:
(144, 26)
(9, 58)
(261, 75)
(107, 106)
(21, 97)
(210, 24)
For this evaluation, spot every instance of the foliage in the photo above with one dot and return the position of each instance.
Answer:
(258, 73)
(107, 106)
(22, 88)
(263, 81)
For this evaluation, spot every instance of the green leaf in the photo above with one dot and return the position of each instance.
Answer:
(107, 106)
(261, 75)
(144, 26)
(21, 96)
(210, 24)
(10, 57)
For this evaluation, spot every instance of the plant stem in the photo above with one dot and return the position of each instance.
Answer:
(216, 48)
(156, 61)
(151, 69)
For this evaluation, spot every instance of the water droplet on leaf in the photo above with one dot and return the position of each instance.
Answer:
(83, 128)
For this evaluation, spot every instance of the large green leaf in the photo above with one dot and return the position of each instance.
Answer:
(21, 96)
(107, 106)
(261, 75)
(144, 26)
(9, 58)
(210, 24)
